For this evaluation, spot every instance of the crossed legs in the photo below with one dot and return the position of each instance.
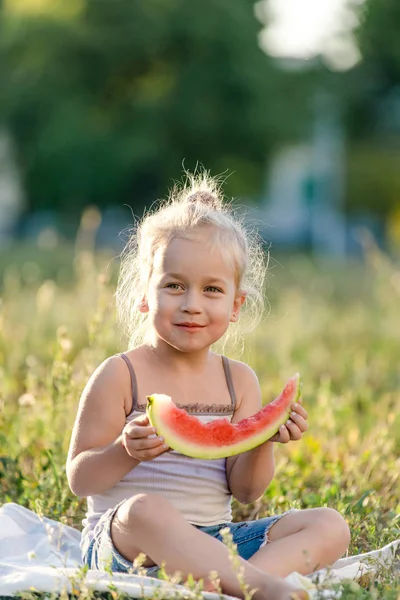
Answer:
(149, 524)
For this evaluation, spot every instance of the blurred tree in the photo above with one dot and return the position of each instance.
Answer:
(107, 98)
(378, 37)
(375, 106)
(372, 94)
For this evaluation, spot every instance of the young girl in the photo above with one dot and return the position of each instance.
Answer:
(186, 272)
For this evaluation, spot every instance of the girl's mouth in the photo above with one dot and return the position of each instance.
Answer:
(190, 326)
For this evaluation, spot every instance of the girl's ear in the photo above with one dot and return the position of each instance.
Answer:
(143, 306)
(237, 305)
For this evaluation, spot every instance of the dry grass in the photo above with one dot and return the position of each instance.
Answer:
(338, 325)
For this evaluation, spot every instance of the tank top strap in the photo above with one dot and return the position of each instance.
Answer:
(229, 382)
(133, 380)
(227, 371)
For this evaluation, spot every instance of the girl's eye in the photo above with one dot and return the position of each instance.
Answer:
(211, 288)
(174, 286)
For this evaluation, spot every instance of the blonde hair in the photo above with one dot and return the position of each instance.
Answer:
(196, 204)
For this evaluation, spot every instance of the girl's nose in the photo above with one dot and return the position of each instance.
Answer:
(191, 303)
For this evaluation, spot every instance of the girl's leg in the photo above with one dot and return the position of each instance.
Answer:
(150, 524)
(303, 541)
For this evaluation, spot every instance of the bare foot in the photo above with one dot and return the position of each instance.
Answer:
(210, 586)
(299, 595)
(278, 589)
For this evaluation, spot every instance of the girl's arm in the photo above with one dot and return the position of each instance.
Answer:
(249, 473)
(103, 449)
(97, 460)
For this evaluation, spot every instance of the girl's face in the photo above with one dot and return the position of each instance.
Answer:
(192, 295)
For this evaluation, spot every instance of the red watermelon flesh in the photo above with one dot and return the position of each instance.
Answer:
(219, 438)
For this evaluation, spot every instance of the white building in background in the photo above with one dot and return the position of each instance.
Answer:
(11, 192)
(304, 196)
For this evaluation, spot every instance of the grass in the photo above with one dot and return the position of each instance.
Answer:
(337, 324)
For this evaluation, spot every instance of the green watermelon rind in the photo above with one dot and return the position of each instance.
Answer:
(196, 451)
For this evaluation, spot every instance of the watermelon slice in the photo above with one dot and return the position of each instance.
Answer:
(219, 438)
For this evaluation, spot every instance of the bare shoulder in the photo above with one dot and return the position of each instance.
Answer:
(242, 373)
(102, 406)
(111, 373)
(247, 388)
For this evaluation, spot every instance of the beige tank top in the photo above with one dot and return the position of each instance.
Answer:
(197, 488)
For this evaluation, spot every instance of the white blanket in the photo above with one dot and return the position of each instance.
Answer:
(39, 554)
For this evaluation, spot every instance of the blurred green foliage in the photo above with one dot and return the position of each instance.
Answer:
(107, 99)
(105, 102)
(373, 110)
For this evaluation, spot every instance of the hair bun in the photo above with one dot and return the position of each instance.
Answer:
(206, 198)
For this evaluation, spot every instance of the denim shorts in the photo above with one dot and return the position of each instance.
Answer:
(101, 554)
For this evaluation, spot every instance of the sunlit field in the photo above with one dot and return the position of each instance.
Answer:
(338, 325)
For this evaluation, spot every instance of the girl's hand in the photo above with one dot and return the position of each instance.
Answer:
(140, 440)
(294, 428)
